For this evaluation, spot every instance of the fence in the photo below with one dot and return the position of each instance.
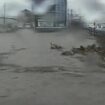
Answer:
(7, 24)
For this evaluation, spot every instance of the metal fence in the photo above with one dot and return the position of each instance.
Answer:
(7, 24)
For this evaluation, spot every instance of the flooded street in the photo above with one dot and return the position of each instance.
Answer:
(36, 46)
(33, 74)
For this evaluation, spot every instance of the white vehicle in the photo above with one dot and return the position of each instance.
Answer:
(101, 27)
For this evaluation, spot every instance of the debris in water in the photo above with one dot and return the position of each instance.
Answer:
(55, 46)
(67, 53)
(85, 50)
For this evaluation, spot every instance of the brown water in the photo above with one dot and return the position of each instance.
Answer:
(40, 85)
(37, 50)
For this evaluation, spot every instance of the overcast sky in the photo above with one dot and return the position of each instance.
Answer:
(90, 9)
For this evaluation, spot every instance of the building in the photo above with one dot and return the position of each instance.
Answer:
(75, 20)
(25, 18)
(8, 24)
(55, 18)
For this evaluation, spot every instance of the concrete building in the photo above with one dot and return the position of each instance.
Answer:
(55, 18)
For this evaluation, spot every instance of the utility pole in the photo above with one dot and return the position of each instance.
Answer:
(94, 27)
(71, 17)
(4, 7)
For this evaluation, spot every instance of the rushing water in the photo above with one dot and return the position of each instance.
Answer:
(37, 50)
(38, 85)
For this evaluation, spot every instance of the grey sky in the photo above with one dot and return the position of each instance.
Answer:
(90, 9)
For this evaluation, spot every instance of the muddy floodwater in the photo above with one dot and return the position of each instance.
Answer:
(36, 47)
(33, 74)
